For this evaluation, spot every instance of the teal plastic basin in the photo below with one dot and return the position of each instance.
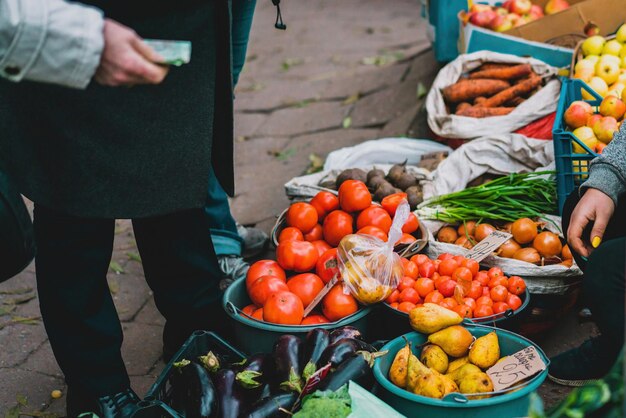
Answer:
(253, 336)
(513, 404)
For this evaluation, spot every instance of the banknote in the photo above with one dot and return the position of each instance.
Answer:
(173, 52)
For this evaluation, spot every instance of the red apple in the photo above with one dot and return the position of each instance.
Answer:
(535, 12)
(501, 23)
(479, 8)
(593, 119)
(554, 6)
(521, 7)
(577, 114)
(482, 19)
(605, 128)
(612, 106)
(507, 4)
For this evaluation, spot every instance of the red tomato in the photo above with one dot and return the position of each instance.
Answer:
(482, 278)
(302, 216)
(449, 303)
(291, 233)
(249, 310)
(306, 286)
(472, 265)
(324, 203)
(409, 295)
(337, 225)
(445, 256)
(374, 216)
(264, 287)
(321, 246)
(394, 305)
(476, 290)
(373, 231)
(486, 291)
(283, 308)
(499, 293)
(436, 276)
(484, 300)
(482, 311)
(500, 307)
(447, 267)
(264, 268)
(517, 285)
(427, 269)
(470, 302)
(410, 268)
(459, 259)
(393, 297)
(315, 234)
(405, 283)
(420, 259)
(391, 202)
(440, 279)
(464, 311)
(462, 274)
(424, 286)
(406, 239)
(298, 256)
(433, 297)
(337, 305)
(327, 265)
(314, 319)
(498, 281)
(354, 196)
(411, 225)
(446, 287)
(258, 314)
(406, 307)
(513, 301)
(495, 272)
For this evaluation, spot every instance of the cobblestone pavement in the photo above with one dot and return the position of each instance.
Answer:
(344, 72)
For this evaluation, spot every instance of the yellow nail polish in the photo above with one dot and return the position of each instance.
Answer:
(596, 241)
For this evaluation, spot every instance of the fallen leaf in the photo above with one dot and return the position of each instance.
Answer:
(114, 265)
(285, 154)
(19, 291)
(134, 257)
(303, 103)
(347, 122)
(20, 300)
(421, 90)
(21, 399)
(316, 163)
(353, 98)
(6, 310)
(114, 287)
(291, 62)
(13, 412)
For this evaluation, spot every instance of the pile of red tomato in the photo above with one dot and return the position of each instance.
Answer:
(307, 255)
(456, 283)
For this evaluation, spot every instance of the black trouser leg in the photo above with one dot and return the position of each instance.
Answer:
(181, 268)
(73, 256)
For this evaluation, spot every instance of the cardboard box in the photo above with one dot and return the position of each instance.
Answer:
(552, 38)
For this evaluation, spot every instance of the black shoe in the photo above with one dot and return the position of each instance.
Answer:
(119, 405)
(581, 365)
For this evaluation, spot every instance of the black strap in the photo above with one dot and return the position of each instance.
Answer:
(279, 18)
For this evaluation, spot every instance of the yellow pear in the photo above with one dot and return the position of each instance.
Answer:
(455, 364)
(415, 370)
(399, 368)
(485, 351)
(433, 356)
(463, 371)
(448, 385)
(476, 383)
(454, 340)
(430, 384)
(430, 318)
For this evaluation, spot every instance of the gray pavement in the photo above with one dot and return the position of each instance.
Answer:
(344, 72)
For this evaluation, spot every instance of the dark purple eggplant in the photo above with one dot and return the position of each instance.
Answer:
(341, 350)
(270, 407)
(255, 372)
(287, 370)
(316, 342)
(211, 361)
(192, 390)
(358, 367)
(231, 399)
(345, 332)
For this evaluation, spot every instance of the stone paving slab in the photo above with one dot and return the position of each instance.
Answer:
(43, 361)
(34, 387)
(300, 120)
(142, 347)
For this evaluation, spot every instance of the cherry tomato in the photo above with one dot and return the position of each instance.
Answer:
(472, 265)
(449, 303)
(374, 216)
(406, 239)
(433, 297)
(424, 286)
(354, 196)
(420, 259)
(514, 301)
(482, 311)
(264, 268)
(484, 300)
(498, 281)
(390, 203)
(462, 274)
(337, 225)
(258, 314)
(264, 287)
(517, 285)
(283, 308)
(321, 246)
(482, 277)
(410, 268)
(405, 283)
(495, 272)
(337, 305)
(299, 256)
(314, 319)
(447, 267)
(406, 306)
(476, 290)
(306, 286)
(291, 233)
(445, 256)
(500, 307)
(302, 216)
(324, 203)
(327, 265)
(373, 231)
(315, 234)
(249, 310)
(393, 297)
(446, 287)
(427, 269)
(464, 311)
(411, 225)
(499, 293)
(409, 295)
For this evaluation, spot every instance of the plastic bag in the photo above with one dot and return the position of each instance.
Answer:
(369, 267)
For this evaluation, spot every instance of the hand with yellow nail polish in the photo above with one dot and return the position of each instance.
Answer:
(594, 207)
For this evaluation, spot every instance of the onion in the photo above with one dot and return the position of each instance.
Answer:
(528, 254)
(566, 254)
(507, 227)
(468, 228)
(508, 249)
(524, 230)
(548, 244)
(483, 230)
(464, 242)
(447, 234)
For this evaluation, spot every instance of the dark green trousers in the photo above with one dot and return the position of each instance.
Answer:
(78, 312)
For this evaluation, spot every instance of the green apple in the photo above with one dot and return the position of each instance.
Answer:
(622, 63)
(622, 52)
(620, 36)
(608, 69)
(585, 69)
(593, 45)
(586, 135)
(612, 47)
(598, 85)
(593, 58)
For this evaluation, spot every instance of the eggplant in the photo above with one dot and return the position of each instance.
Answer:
(255, 372)
(286, 355)
(345, 332)
(316, 342)
(270, 407)
(358, 368)
(231, 399)
(211, 361)
(193, 391)
(341, 350)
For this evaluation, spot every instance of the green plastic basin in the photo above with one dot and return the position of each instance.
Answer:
(253, 336)
(513, 404)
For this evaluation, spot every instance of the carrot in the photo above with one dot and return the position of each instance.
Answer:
(493, 66)
(461, 106)
(479, 100)
(485, 112)
(512, 92)
(466, 90)
(515, 102)
(509, 73)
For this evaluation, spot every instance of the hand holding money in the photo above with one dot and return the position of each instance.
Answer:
(127, 60)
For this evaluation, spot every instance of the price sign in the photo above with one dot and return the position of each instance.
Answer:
(516, 367)
(321, 294)
(488, 245)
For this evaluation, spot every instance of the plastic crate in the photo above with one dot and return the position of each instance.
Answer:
(201, 342)
(571, 168)
(442, 15)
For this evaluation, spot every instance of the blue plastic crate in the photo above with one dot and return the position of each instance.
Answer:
(442, 15)
(571, 168)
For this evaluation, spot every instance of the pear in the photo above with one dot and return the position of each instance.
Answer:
(430, 384)
(448, 385)
(434, 357)
(430, 318)
(415, 369)
(454, 340)
(463, 371)
(399, 368)
(476, 383)
(485, 351)
(455, 364)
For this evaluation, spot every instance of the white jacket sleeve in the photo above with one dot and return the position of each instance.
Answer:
(50, 41)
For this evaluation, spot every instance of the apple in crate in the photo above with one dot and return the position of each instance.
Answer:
(521, 7)
(536, 12)
(585, 69)
(482, 18)
(593, 119)
(593, 45)
(604, 129)
(577, 114)
(607, 68)
(612, 47)
(501, 23)
(586, 135)
(555, 6)
(620, 35)
(612, 106)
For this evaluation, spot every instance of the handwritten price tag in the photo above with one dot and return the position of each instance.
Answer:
(321, 294)
(488, 245)
(516, 367)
